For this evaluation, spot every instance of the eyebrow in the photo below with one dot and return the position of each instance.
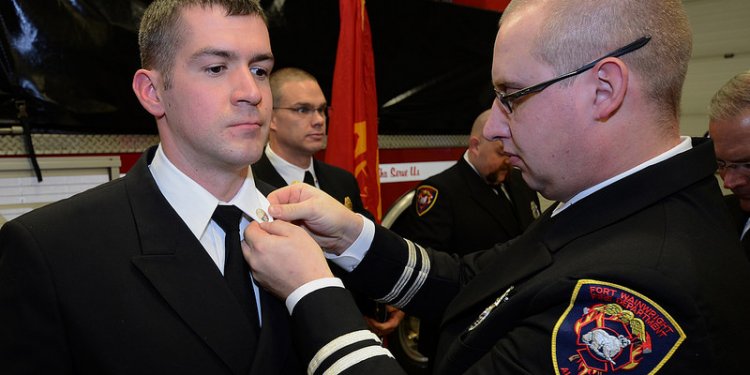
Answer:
(212, 52)
(229, 55)
(308, 104)
(506, 84)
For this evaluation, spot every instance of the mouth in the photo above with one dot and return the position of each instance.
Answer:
(246, 125)
(514, 160)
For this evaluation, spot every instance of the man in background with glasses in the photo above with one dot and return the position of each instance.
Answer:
(297, 133)
(635, 271)
(729, 126)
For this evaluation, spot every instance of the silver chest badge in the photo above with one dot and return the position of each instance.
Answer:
(504, 297)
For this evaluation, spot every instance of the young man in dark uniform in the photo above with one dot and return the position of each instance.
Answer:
(144, 275)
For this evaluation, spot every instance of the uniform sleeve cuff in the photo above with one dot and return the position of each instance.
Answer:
(351, 257)
(309, 287)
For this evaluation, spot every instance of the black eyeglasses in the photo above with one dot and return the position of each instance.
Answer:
(507, 99)
(723, 166)
(306, 110)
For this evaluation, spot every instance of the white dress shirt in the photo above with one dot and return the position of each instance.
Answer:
(195, 206)
(291, 173)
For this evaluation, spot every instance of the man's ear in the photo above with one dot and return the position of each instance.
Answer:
(272, 126)
(612, 85)
(144, 86)
(474, 144)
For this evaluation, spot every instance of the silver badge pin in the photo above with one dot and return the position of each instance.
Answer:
(535, 212)
(504, 297)
(262, 215)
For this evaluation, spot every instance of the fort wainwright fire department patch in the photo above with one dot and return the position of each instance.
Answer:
(426, 197)
(610, 329)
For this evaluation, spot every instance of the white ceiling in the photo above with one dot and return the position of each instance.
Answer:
(720, 28)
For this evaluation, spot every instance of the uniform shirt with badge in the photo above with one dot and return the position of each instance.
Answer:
(616, 282)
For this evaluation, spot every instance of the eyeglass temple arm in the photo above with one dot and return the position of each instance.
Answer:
(616, 53)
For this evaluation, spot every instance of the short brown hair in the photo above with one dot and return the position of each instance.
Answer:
(732, 99)
(578, 31)
(160, 34)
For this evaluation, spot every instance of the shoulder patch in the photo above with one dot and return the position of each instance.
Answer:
(608, 328)
(426, 197)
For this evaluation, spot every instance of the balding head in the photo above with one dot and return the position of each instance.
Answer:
(478, 127)
(487, 157)
(578, 31)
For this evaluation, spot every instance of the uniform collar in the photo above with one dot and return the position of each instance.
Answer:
(193, 203)
(291, 173)
(684, 145)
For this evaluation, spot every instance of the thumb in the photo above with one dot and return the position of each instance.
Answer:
(279, 228)
(290, 211)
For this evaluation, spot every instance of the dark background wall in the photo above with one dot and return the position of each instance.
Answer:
(72, 61)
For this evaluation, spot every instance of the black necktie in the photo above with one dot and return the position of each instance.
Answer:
(505, 194)
(309, 178)
(236, 270)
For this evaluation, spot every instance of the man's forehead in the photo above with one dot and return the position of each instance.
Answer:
(298, 89)
(512, 58)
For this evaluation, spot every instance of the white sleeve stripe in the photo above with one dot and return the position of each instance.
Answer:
(355, 357)
(405, 275)
(417, 284)
(336, 345)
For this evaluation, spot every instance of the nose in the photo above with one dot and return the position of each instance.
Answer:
(733, 178)
(497, 127)
(246, 89)
(319, 118)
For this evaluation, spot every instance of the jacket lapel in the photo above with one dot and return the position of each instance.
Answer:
(524, 205)
(511, 263)
(323, 180)
(532, 251)
(179, 269)
(264, 170)
(273, 352)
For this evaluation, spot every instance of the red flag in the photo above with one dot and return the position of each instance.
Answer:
(353, 127)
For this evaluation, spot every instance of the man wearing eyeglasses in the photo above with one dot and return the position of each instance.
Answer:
(297, 132)
(729, 126)
(635, 271)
